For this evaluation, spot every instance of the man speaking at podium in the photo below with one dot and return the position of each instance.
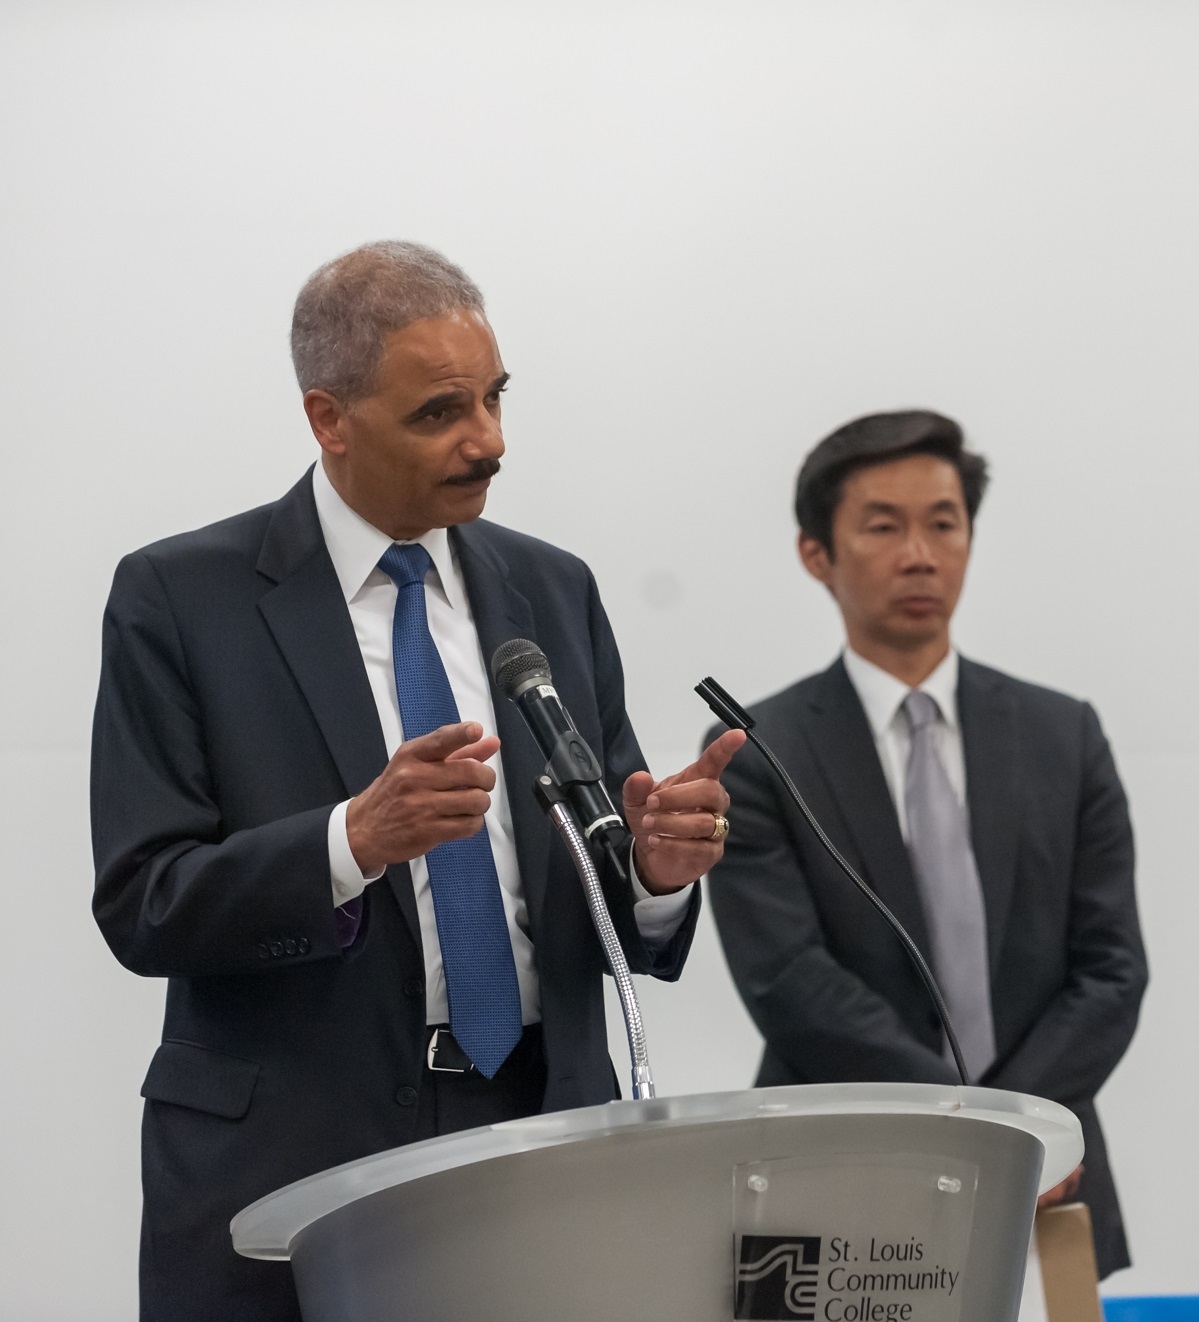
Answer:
(298, 814)
(985, 812)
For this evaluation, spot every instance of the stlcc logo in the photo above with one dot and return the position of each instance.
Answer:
(777, 1278)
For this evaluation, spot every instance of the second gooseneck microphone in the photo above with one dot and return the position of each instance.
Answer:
(727, 709)
(522, 674)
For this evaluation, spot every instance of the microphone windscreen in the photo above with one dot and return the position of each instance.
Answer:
(518, 663)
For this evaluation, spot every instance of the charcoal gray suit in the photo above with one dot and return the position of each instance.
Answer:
(828, 984)
(234, 712)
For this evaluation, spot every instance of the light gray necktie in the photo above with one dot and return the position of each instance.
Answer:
(950, 892)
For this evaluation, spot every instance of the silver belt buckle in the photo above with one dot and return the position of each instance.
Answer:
(432, 1056)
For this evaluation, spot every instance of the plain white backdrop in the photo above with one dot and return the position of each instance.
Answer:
(708, 233)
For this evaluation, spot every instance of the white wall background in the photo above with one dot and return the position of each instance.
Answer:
(709, 232)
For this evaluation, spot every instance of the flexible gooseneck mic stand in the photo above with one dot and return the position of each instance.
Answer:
(729, 710)
(549, 794)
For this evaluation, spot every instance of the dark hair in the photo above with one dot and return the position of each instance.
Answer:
(878, 438)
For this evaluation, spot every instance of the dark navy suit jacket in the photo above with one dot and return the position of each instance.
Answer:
(827, 982)
(234, 711)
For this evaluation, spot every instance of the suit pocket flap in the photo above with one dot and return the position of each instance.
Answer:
(189, 1075)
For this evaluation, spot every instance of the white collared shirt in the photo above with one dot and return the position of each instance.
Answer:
(882, 696)
(355, 547)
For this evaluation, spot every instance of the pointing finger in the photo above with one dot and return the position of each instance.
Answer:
(483, 751)
(712, 761)
(438, 744)
(718, 754)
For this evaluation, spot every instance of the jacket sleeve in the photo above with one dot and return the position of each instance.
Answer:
(177, 892)
(1079, 1038)
(819, 1018)
(622, 756)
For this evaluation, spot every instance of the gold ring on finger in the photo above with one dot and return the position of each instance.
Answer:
(721, 827)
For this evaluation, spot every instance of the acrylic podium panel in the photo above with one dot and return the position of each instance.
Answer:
(831, 1203)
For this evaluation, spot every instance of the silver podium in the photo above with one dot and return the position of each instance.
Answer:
(830, 1203)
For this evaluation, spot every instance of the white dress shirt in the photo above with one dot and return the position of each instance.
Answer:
(882, 696)
(355, 548)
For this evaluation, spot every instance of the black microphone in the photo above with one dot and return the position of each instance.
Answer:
(522, 674)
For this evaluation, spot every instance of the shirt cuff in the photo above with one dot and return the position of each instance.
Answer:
(347, 877)
(658, 917)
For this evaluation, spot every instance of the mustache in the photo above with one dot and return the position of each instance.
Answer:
(479, 471)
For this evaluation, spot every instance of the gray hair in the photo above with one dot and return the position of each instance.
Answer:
(349, 306)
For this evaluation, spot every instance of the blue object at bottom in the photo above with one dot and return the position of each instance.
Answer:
(1165, 1308)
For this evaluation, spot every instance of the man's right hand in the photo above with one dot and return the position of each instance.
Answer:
(435, 788)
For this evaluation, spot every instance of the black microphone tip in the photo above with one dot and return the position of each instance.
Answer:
(518, 663)
(724, 705)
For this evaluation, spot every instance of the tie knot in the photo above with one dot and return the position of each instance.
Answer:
(406, 564)
(921, 710)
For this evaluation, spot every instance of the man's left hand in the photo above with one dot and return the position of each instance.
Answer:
(673, 820)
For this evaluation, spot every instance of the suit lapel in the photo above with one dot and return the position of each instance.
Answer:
(500, 613)
(844, 747)
(306, 613)
(987, 711)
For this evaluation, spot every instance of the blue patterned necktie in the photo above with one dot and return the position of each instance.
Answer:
(950, 891)
(476, 950)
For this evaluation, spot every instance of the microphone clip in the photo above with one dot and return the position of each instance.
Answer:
(573, 763)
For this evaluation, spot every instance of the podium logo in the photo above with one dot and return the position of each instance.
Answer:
(776, 1278)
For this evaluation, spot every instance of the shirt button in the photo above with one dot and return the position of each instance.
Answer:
(290, 946)
(303, 945)
(276, 948)
(406, 1097)
(413, 987)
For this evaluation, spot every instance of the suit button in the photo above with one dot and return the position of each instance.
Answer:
(290, 946)
(276, 948)
(413, 987)
(264, 951)
(303, 945)
(406, 1097)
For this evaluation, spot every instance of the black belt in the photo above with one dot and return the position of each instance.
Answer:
(445, 1056)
